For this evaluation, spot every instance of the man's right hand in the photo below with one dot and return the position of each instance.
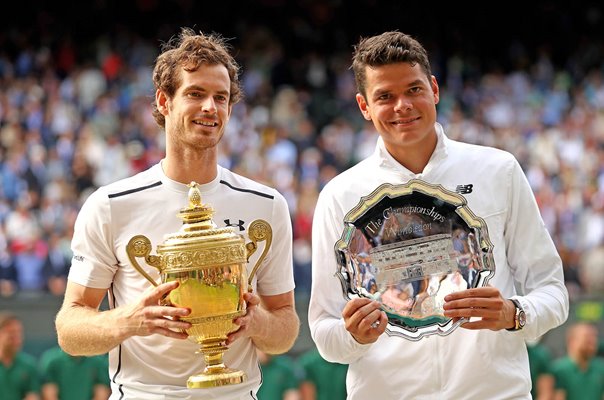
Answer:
(364, 320)
(149, 316)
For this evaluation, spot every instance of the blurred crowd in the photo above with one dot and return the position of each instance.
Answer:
(69, 124)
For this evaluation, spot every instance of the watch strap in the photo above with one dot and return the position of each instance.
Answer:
(519, 316)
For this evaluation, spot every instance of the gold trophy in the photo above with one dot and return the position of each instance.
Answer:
(210, 265)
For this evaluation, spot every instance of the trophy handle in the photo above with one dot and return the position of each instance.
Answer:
(258, 231)
(140, 246)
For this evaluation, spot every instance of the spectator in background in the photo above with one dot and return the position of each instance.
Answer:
(591, 268)
(280, 377)
(580, 374)
(66, 377)
(542, 380)
(19, 377)
(29, 260)
(322, 380)
(56, 268)
(8, 279)
(27, 246)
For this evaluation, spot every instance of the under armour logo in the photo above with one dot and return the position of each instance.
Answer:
(240, 224)
(464, 189)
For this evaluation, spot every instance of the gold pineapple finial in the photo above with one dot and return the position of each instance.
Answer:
(194, 195)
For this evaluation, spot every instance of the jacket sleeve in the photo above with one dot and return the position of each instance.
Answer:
(534, 261)
(327, 299)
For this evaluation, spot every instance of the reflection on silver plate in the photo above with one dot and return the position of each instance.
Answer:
(408, 246)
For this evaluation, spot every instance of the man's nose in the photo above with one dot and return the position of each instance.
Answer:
(403, 104)
(208, 105)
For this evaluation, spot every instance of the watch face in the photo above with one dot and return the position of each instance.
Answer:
(521, 318)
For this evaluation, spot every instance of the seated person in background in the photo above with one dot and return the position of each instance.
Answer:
(280, 377)
(322, 380)
(580, 374)
(29, 256)
(68, 377)
(19, 378)
(540, 360)
(56, 266)
(8, 276)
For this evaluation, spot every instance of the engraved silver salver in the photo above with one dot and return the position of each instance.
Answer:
(408, 246)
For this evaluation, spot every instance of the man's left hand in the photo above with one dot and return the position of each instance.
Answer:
(485, 305)
(245, 322)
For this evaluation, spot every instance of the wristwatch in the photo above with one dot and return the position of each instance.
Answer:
(519, 317)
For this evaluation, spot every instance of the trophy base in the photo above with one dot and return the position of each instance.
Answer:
(216, 377)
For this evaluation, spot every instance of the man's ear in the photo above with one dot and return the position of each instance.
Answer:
(435, 90)
(363, 106)
(162, 102)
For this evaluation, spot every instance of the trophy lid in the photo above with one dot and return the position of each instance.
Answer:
(198, 226)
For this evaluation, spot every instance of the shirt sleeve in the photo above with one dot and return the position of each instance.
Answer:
(94, 263)
(327, 299)
(276, 274)
(534, 261)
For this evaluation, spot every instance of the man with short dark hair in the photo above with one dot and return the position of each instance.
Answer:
(19, 378)
(486, 358)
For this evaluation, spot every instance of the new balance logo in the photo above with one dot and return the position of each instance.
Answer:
(240, 224)
(464, 189)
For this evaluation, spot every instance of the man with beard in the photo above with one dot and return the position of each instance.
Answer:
(196, 82)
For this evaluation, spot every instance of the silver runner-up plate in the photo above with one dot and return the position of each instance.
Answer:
(408, 246)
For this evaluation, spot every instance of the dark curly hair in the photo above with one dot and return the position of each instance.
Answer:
(190, 50)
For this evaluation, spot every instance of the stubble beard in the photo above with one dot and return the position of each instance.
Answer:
(183, 139)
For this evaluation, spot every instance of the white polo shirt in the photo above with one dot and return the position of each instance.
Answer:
(157, 367)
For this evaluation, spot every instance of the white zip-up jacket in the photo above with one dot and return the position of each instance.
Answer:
(466, 364)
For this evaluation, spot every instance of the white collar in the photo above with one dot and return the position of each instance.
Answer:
(385, 159)
(184, 188)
